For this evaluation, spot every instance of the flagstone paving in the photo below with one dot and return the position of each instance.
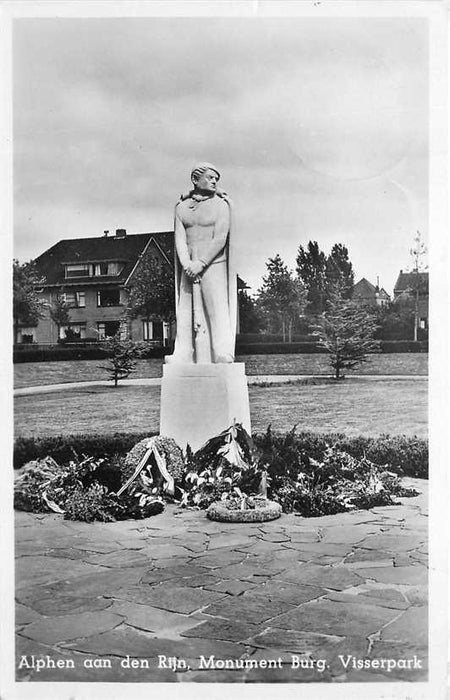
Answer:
(178, 598)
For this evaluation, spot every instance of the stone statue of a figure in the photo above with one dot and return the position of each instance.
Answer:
(206, 296)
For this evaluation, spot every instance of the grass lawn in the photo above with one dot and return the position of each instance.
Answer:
(354, 407)
(37, 373)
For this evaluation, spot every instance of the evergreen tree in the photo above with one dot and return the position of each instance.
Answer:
(281, 298)
(346, 332)
(28, 308)
(122, 356)
(339, 270)
(251, 318)
(311, 272)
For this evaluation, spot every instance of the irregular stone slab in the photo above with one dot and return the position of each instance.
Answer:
(231, 587)
(341, 619)
(227, 630)
(128, 641)
(230, 540)
(337, 577)
(294, 594)
(363, 555)
(299, 535)
(289, 674)
(418, 595)
(384, 593)
(95, 546)
(262, 547)
(58, 604)
(70, 553)
(207, 676)
(178, 571)
(403, 560)
(169, 597)
(25, 615)
(411, 575)
(41, 570)
(247, 608)
(214, 560)
(336, 654)
(65, 628)
(162, 623)
(199, 581)
(347, 534)
(275, 537)
(293, 640)
(413, 624)
(119, 560)
(82, 586)
(368, 600)
(319, 548)
(392, 542)
(247, 569)
(402, 650)
(164, 551)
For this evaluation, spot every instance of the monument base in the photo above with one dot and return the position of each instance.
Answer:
(199, 401)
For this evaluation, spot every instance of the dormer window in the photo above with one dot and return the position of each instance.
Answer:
(107, 268)
(78, 270)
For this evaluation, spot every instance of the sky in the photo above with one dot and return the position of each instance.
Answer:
(318, 127)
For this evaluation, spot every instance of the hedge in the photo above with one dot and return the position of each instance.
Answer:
(75, 351)
(404, 455)
(386, 346)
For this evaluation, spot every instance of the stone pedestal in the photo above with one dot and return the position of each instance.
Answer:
(199, 401)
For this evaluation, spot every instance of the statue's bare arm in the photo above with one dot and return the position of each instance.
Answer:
(181, 242)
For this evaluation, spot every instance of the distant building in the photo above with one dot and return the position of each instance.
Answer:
(367, 293)
(92, 275)
(408, 286)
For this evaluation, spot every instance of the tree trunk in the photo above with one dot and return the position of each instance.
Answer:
(283, 329)
(416, 313)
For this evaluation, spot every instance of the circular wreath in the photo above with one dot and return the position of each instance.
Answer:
(167, 447)
(257, 510)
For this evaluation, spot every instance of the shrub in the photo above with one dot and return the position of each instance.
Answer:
(63, 447)
(407, 456)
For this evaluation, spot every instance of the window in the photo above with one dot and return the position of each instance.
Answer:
(108, 297)
(26, 335)
(78, 270)
(156, 331)
(108, 268)
(74, 299)
(107, 329)
(73, 331)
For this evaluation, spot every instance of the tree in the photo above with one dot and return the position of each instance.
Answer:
(281, 298)
(417, 252)
(339, 270)
(28, 308)
(346, 332)
(152, 290)
(122, 356)
(311, 268)
(251, 318)
(59, 312)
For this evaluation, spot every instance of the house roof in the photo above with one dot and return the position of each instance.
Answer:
(364, 289)
(124, 249)
(406, 281)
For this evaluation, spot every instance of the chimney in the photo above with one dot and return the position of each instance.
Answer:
(121, 232)
(105, 233)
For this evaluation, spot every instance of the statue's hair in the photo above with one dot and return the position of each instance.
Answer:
(201, 168)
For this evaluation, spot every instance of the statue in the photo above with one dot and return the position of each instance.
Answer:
(206, 297)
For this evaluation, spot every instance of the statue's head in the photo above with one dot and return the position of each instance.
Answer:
(205, 177)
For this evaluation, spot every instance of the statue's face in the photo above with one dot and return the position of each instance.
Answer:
(207, 181)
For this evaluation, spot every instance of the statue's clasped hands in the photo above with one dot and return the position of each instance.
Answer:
(194, 269)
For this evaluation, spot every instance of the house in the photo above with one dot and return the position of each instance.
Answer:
(367, 293)
(412, 286)
(92, 275)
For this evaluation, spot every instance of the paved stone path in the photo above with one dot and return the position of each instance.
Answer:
(251, 379)
(176, 597)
